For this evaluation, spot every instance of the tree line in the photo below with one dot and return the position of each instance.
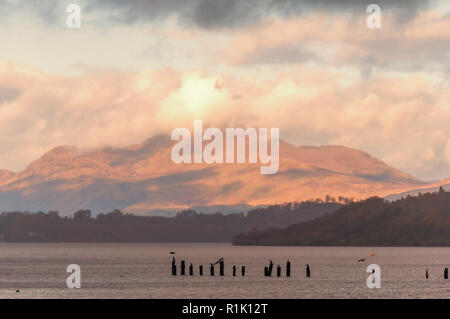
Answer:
(186, 226)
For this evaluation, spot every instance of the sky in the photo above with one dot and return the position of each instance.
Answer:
(311, 68)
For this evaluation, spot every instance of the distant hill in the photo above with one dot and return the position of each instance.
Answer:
(413, 221)
(186, 226)
(141, 179)
(428, 188)
(212, 209)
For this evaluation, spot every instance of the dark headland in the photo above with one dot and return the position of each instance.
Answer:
(423, 220)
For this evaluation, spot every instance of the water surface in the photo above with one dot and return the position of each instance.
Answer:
(111, 270)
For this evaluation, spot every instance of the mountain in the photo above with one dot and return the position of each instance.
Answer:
(142, 178)
(413, 221)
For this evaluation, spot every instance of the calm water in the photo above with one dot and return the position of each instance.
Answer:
(143, 271)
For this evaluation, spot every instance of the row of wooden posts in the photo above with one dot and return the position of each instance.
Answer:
(267, 270)
(200, 268)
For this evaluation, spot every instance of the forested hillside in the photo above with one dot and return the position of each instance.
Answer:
(423, 220)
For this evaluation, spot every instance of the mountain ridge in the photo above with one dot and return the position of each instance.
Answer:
(141, 177)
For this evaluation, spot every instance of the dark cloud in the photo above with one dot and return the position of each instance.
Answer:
(209, 14)
(222, 13)
(142, 10)
(402, 5)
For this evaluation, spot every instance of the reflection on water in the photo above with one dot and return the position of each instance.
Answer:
(144, 271)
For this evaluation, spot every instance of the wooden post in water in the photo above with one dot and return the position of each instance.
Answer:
(278, 271)
(446, 273)
(308, 271)
(234, 270)
(174, 267)
(191, 270)
(288, 269)
(222, 268)
(211, 270)
(200, 270)
(183, 268)
(243, 271)
(270, 268)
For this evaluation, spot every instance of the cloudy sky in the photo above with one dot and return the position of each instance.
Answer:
(312, 68)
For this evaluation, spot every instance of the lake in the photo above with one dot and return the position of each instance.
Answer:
(142, 270)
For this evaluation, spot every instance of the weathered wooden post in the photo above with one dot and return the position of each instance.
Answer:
(211, 270)
(222, 268)
(200, 270)
(243, 271)
(278, 271)
(234, 271)
(270, 268)
(174, 267)
(446, 273)
(183, 268)
(288, 269)
(191, 270)
(308, 271)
